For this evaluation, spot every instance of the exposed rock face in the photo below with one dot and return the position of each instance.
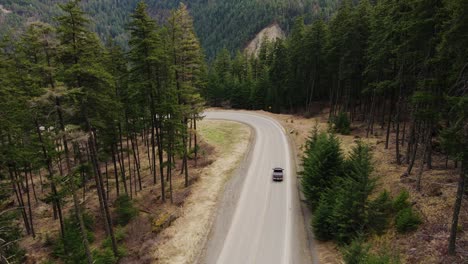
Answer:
(272, 32)
(4, 10)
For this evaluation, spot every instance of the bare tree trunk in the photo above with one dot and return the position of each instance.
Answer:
(148, 153)
(457, 206)
(136, 160)
(122, 160)
(153, 146)
(382, 118)
(33, 186)
(412, 159)
(169, 170)
(370, 119)
(100, 192)
(460, 191)
(429, 151)
(423, 158)
(107, 180)
(129, 165)
(411, 143)
(389, 122)
(40, 180)
(19, 198)
(161, 157)
(116, 173)
(403, 137)
(397, 135)
(195, 140)
(33, 233)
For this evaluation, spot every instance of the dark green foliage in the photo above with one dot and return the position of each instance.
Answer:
(401, 201)
(380, 213)
(356, 252)
(240, 20)
(322, 164)
(322, 222)
(342, 212)
(70, 249)
(341, 124)
(125, 210)
(105, 256)
(407, 220)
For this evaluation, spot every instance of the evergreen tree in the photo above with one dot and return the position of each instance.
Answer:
(149, 76)
(188, 66)
(322, 165)
(82, 70)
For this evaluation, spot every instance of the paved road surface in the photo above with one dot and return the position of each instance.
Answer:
(264, 225)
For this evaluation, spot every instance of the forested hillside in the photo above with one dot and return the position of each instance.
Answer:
(218, 23)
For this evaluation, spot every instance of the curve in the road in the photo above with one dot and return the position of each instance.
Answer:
(260, 230)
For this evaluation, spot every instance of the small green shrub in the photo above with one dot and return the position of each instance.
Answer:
(407, 220)
(356, 253)
(125, 210)
(341, 123)
(401, 201)
(119, 234)
(71, 249)
(382, 258)
(380, 213)
(105, 256)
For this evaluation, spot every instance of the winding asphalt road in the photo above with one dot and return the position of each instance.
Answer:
(262, 223)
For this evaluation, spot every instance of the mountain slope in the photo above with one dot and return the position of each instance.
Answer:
(218, 23)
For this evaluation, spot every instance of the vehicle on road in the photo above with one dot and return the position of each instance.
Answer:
(278, 174)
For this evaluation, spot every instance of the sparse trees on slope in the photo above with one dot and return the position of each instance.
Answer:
(188, 67)
(82, 70)
(150, 80)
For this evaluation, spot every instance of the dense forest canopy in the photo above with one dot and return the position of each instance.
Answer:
(218, 24)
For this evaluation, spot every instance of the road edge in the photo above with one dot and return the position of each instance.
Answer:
(235, 180)
(305, 211)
